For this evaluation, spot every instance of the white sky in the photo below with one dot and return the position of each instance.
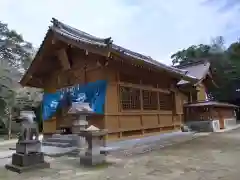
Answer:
(156, 28)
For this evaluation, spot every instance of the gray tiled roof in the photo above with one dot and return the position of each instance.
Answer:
(80, 36)
(198, 70)
(77, 35)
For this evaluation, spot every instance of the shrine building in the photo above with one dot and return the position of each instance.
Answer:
(130, 94)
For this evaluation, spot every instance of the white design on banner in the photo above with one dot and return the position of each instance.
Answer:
(54, 104)
(81, 97)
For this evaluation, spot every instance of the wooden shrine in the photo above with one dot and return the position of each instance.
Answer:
(142, 97)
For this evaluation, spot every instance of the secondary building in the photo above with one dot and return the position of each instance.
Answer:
(200, 113)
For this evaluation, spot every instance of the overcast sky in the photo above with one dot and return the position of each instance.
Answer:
(156, 28)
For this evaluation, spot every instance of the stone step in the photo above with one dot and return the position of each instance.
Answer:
(57, 144)
(58, 140)
(54, 151)
(67, 136)
(61, 140)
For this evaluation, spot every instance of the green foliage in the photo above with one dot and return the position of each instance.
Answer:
(191, 54)
(15, 57)
(225, 64)
(13, 49)
(8, 88)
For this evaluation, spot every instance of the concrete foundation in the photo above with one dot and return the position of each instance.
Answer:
(228, 123)
(204, 126)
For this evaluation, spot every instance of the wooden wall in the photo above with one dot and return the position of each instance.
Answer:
(122, 124)
(223, 112)
(201, 95)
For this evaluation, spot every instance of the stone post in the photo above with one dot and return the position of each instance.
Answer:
(95, 140)
(80, 124)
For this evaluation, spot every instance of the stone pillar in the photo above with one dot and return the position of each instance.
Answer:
(79, 125)
(93, 155)
(215, 125)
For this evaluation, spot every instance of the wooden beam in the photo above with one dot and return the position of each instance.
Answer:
(51, 80)
(153, 78)
(63, 58)
(144, 87)
(55, 78)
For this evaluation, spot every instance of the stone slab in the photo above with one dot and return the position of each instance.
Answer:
(57, 151)
(72, 140)
(57, 144)
(19, 169)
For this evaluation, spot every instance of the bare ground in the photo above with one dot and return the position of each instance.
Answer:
(209, 157)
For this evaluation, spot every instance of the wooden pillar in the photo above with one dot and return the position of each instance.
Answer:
(118, 102)
(190, 96)
(141, 106)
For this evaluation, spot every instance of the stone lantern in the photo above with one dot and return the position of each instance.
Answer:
(28, 153)
(79, 112)
(95, 140)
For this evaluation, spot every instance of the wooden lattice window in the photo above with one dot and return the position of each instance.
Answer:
(166, 102)
(130, 98)
(150, 101)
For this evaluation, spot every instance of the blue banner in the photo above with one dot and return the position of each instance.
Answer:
(93, 93)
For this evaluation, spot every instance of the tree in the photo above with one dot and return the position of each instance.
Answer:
(8, 88)
(234, 51)
(15, 57)
(191, 54)
(13, 49)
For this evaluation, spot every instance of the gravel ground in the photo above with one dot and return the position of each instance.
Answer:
(205, 158)
(6, 147)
